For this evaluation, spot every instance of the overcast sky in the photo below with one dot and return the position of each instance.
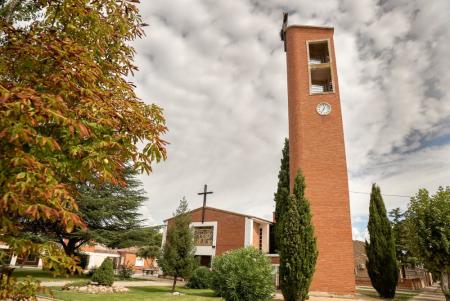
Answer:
(218, 69)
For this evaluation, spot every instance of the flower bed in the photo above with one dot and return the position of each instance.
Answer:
(97, 289)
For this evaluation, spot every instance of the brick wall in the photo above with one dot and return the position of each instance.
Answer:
(255, 233)
(230, 228)
(317, 147)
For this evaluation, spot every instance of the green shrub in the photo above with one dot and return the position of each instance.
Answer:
(201, 278)
(91, 271)
(104, 275)
(242, 275)
(125, 272)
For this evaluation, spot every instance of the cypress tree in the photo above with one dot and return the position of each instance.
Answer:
(381, 257)
(282, 194)
(297, 244)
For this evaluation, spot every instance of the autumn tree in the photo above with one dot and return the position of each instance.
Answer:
(67, 113)
(428, 222)
(381, 258)
(177, 255)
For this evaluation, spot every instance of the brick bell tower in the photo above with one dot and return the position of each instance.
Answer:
(316, 146)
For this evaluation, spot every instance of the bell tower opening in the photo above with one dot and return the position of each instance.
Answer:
(320, 69)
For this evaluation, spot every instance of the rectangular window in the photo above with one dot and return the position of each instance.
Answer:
(260, 238)
(319, 62)
(203, 236)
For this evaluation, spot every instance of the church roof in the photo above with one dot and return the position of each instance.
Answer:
(229, 212)
(310, 26)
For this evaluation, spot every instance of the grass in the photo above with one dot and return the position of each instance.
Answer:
(400, 294)
(38, 274)
(140, 294)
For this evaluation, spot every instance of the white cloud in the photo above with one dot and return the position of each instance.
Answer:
(358, 234)
(218, 69)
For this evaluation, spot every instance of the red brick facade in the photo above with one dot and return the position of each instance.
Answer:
(317, 148)
(230, 228)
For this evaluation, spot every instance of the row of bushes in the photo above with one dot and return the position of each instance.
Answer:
(243, 274)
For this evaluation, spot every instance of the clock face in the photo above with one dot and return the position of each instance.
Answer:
(323, 108)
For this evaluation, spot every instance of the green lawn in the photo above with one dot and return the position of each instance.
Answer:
(400, 295)
(140, 294)
(41, 275)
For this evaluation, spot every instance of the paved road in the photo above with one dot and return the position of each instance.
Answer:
(432, 293)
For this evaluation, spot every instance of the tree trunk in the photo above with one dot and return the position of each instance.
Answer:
(6, 270)
(445, 283)
(174, 282)
(403, 271)
(70, 246)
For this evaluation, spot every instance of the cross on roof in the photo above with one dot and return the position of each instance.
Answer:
(205, 192)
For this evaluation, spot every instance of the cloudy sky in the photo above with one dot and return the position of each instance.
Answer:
(218, 69)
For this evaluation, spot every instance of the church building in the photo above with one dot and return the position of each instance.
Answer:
(222, 231)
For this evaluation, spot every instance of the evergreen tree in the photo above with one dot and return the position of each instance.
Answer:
(297, 244)
(283, 189)
(177, 256)
(152, 248)
(400, 233)
(381, 257)
(111, 214)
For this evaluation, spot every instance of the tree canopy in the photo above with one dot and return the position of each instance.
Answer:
(400, 232)
(428, 222)
(111, 214)
(68, 115)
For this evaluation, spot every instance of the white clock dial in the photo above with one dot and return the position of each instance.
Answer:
(323, 108)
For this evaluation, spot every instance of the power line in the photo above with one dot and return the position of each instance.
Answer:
(397, 195)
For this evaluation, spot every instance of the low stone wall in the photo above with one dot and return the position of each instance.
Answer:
(413, 284)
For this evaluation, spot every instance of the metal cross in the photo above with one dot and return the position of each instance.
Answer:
(205, 192)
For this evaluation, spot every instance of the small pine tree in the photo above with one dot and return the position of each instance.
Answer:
(297, 245)
(381, 257)
(104, 275)
(283, 188)
(177, 255)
